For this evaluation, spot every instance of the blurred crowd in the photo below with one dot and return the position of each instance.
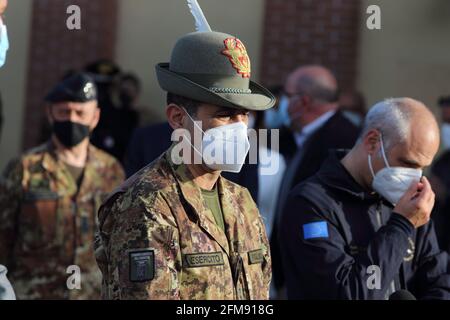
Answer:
(312, 114)
(94, 141)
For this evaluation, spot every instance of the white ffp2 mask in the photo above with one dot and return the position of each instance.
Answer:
(392, 182)
(224, 148)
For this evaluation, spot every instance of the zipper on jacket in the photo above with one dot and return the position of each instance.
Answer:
(380, 224)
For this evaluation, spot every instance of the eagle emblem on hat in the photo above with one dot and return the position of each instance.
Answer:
(236, 52)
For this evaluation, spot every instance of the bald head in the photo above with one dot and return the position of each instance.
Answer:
(314, 81)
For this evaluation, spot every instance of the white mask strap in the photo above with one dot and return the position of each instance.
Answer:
(195, 123)
(383, 153)
(190, 142)
(370, 166)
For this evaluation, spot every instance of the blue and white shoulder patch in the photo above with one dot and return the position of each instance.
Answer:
(314, 230)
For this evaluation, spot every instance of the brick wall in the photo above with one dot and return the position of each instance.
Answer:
(298, 32)
(54, 49)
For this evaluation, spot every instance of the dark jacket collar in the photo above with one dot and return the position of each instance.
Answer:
(335, 175)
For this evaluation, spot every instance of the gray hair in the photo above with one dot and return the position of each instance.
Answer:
(392, 117)
(318, 88)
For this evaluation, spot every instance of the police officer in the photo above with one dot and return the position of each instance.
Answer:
(360, 228)
(49, 198)
(177, 229)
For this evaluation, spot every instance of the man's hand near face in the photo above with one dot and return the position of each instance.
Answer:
(417, 203)
(3, 6)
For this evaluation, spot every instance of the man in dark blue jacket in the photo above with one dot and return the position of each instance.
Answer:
(360, 228)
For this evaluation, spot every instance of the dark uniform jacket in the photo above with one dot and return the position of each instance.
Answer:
(334, 235)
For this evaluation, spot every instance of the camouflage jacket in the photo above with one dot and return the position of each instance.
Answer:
(48, 224)
(160, 241)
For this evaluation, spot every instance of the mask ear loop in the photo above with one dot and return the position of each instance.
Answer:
(382, 152)
(195, 124)
(370, 166)
(383, 155)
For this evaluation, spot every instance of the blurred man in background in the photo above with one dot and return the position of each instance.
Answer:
(118, 94)
(146, 144)
(441, 179)
(360, 228)
(6, 291)
(310, 108)
(49, 197)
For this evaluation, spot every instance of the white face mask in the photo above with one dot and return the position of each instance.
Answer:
(445, 135)
(224, 148)
(4, 43)
(392, 182)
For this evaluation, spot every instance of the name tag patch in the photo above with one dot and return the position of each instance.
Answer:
(315, 230)
(142, 265)
(195, 260)
(255, 256)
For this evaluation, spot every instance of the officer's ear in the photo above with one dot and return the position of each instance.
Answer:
(48, 112)
(371, 141)
(97, 114)
(175, 116)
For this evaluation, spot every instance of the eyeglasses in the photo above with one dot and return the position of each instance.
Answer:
(292, 95)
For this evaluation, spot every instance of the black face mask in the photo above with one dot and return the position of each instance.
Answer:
(70, 133)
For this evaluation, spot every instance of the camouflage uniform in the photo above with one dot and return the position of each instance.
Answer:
(47, 224)
(160, 241)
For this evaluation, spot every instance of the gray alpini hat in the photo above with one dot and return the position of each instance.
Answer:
(212, 67)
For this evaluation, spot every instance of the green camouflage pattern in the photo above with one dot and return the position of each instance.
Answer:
(161, 209)
(47, 224)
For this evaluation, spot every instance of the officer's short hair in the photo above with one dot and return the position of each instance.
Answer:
(190, 105)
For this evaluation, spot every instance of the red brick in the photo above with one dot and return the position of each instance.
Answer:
(307, 31)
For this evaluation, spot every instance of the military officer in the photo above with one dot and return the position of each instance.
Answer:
(177, 229)
(49, 198)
